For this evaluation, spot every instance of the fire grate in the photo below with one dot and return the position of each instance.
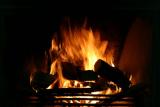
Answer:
(66, 97)
(52, 101)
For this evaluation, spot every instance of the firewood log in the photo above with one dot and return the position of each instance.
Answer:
(69, 71)
(72, 72)
(85, 75)
(112, 74)
(41, 80)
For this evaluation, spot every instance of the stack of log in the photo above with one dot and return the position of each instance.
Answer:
(103, 73)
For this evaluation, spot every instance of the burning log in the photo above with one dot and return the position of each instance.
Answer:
(41, 80)
(69, 71)
(72, 72)
(112, 74)
(87, 75)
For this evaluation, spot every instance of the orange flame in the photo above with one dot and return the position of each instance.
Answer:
(82, 45)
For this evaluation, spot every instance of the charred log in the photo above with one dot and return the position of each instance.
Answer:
(72, 72)
(86, 75)
(41, 80)
(69, 71)
(112, 74)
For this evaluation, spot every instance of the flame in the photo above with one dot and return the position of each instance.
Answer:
(81, 45)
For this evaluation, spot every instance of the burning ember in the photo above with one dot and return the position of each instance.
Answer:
(81, 60)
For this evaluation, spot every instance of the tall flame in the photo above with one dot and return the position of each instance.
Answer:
(81, 45)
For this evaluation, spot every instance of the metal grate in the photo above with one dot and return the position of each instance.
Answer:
(72, 98)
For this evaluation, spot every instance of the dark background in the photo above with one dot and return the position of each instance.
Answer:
(26, 31)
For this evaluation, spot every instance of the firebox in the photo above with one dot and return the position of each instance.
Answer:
(82, 60)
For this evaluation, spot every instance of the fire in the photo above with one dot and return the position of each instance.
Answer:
(80, 46)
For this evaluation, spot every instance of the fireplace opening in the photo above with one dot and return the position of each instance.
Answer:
(84, 61)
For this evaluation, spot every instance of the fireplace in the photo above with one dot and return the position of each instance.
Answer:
(124, 43)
